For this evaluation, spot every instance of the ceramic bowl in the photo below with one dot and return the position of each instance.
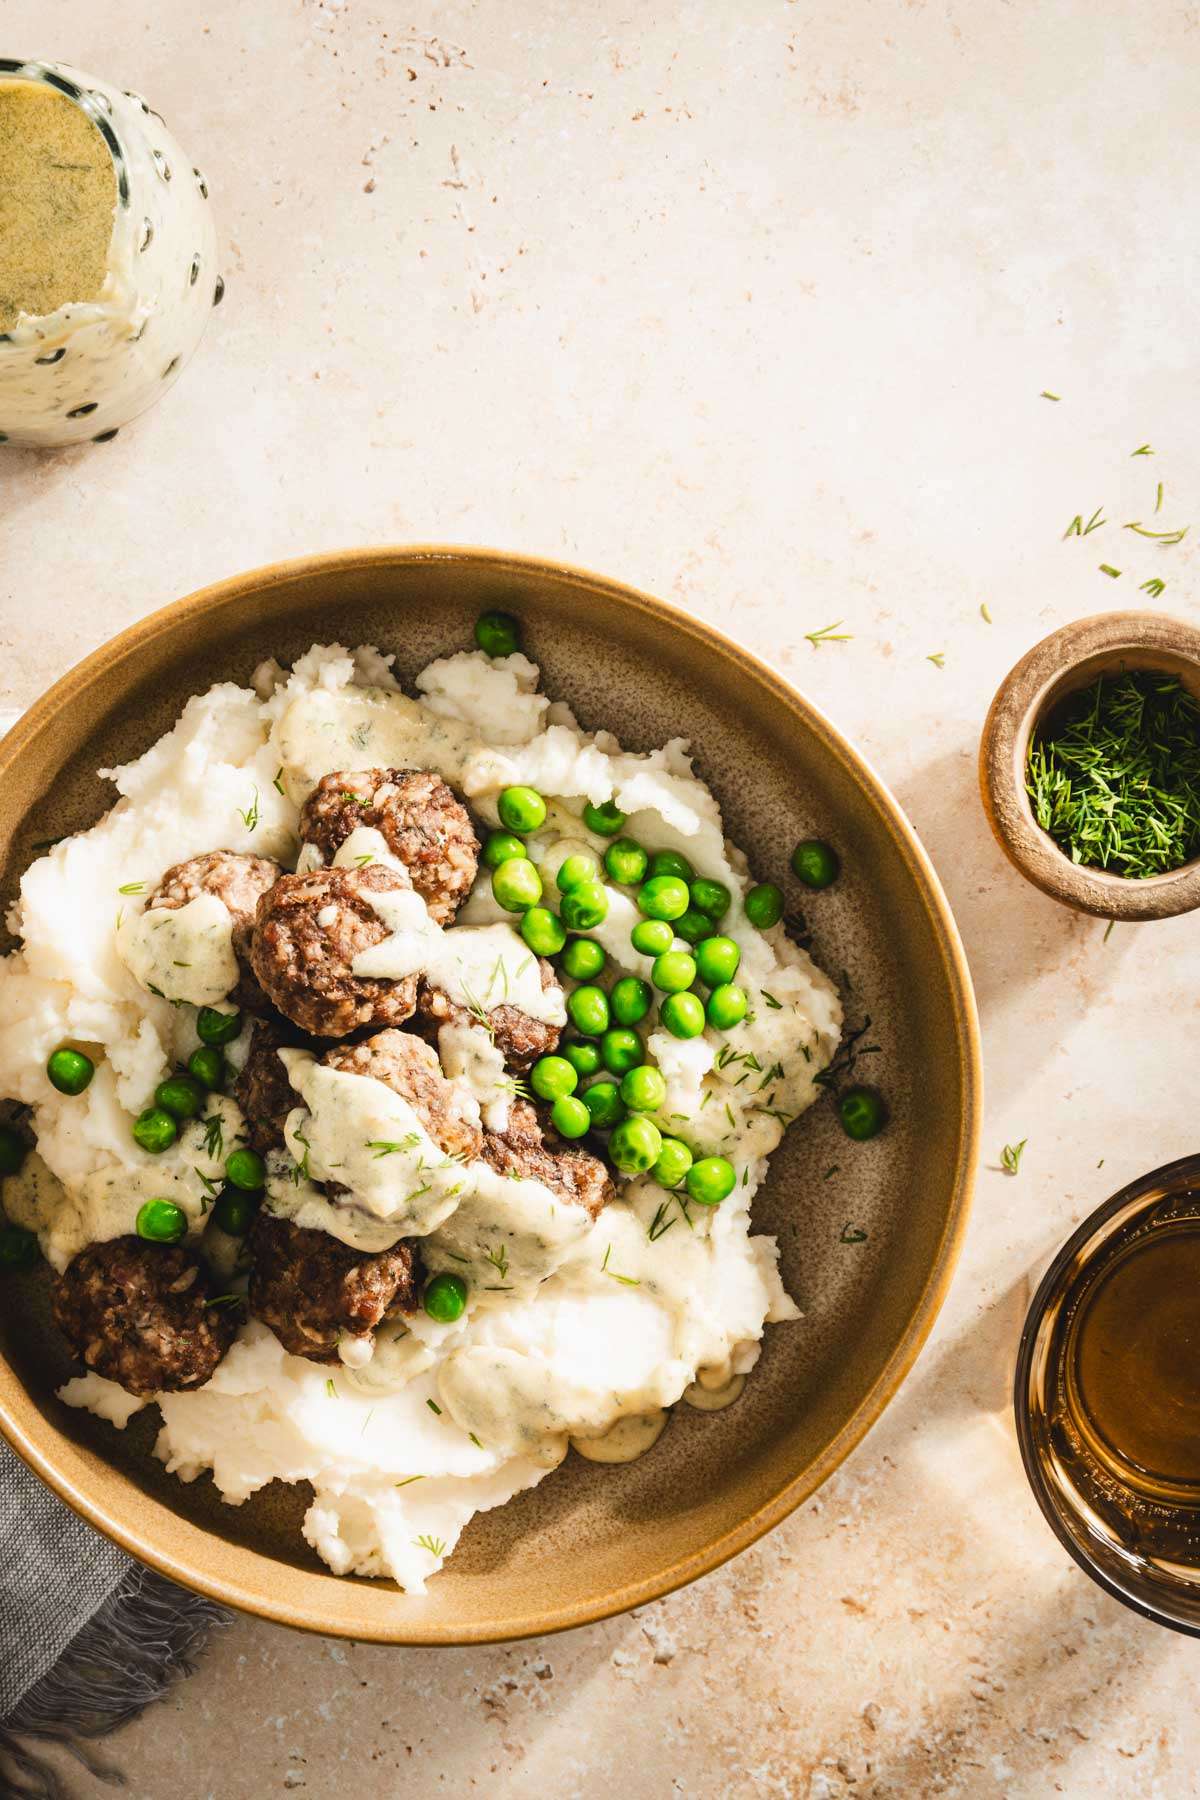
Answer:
(1062, 664)
(867, 1252)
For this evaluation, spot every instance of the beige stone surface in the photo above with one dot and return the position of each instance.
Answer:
(752, 306)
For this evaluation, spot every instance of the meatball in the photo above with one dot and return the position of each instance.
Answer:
(519, 1038)
(311, 1289)
(140, 1314)
(411, 1069)
(239, 881)
(307, 932)
(421, 822)
(262, 1089)
(521, 1149)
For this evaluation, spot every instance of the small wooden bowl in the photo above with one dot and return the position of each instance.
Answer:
(1062, 664)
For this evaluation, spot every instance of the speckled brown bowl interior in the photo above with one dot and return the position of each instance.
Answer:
(591, 1540)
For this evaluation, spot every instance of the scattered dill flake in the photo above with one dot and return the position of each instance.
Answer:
(224, 1300)
(849, 1052)
(132, 887)
(984, 614)
(1108, 932)
(1107, 569)
(1143, 450)
(330, 1389)
(250, 816)
(1047, 395)
(1077, 528)
(1164, 538)
(1158, 498)
(1153, 587)
(475, 1440)
(938, 659)
(831, 1170)
(1116, 782)
(214, 1137)
(772, 1002)
(499, 1260)
(389, 1146)
(1010, 1156)
(408, 1480)
(434, 1407)
(829, 634)
(852, 1234)
(364, 859)
(277, 784)
(1100, 1164)
(435, 1546)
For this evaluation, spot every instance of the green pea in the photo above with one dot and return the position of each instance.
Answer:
(727, 1006)
(543, 931)
(711, 1180)
(213, 1027)
(712, 898)
(521, 809)
(155, 1130)
(604, 820)
(694, 926)
(445, 1298)
(246, 1170)
(717, 960)
(652, 936)
(208, 1066)
(674, 1161)
(502, 846)
(605, 1105)
(497, 634)
(584, 907)
(626, 862)
(553, 1076)
(570, 1117)
(161, 1222)
(643, 1090)
(669, 862)
(70, 1071)
(234, 1211)
(583, 1058)
(630, 1000)
(588, 1007)
(621, 1049)
(583, 959)
(862, 1113)
(516, 884)
(674, 971)
(13, 1150)
(635, 1145)
(816, 863)
(181, 1095)
(764, 905)
(683, 1015)
(663, 897)
(18, 1249)
(581, 867)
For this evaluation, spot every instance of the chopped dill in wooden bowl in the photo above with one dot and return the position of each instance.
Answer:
(1114, 775)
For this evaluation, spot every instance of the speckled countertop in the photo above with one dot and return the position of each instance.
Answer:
(752, 307)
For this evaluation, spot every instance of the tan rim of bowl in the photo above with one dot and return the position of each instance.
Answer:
(232, 1575)
(1069, 659)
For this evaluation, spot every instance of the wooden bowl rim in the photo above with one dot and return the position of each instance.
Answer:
(1039, 680)
(99, 1498)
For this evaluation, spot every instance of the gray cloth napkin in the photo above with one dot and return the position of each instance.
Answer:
(88, 1637)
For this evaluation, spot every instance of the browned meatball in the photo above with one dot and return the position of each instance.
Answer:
(521, 1149)
(239, 881)
(420, 819)
(519, 1039)
(140, 1314)
(304, 965)
(312, 1289)
(262, 1089)
(411, 1069)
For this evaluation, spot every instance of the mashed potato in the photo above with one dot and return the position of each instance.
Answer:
(587, 1327)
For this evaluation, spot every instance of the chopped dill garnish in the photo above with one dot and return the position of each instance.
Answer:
(434, 1407)
(774, 1004)
(1158, 498)
(1117, 785)
(830, 1171)
(362, 861)
(389, 1146)
(360, 737)
(408, 1480)
(848, 1055)
(132, 887)
(656, 1227)
(852, 1234)
(330, 1389)
(475, 1440)
(984, 614)
(435, 1546)
(1077, 528)
(277, 784)
(1010, 1156)
(301, 1171)
(498, 1259)
(1047, 395)
(214, 1137)
(1143, 450)
(938, 659)
(1153, 587)
(250, 816)
(1107, 569)
(1162, 537)
(224, 1300)
(1108, 931)
(829, 634)
(212, 1188)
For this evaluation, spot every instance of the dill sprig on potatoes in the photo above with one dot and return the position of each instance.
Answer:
(1116, 778)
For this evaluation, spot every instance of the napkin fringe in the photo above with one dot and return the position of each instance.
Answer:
(143, 1638)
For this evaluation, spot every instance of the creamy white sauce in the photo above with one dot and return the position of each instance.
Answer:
(353, 728)
(185, 952)
(477, 966)
(714, 1399)
(626, 1440)
(468, 1055)
(506, 1237)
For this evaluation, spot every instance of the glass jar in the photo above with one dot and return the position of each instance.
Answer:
(80, 372)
